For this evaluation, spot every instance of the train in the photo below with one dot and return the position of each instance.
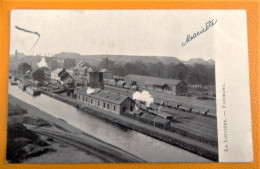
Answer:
(161, 104)
(154, 109)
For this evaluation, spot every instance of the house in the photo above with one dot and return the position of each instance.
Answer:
(172, 86)
(80, 72)
(61, 76)
(24, 68)
(106, 101)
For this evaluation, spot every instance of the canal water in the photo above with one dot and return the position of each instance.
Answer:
(145, 147)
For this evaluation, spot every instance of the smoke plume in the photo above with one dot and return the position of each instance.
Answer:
(90, 90)
(144, 96)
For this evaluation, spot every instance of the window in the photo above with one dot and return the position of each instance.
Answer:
(83, 98)
(108, 106)
(114, 108)
(79, 96)
(98, 103)
(104, 105)
(91, 101)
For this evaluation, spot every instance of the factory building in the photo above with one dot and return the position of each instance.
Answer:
(106, 101)
(61, 76)
(176, 87)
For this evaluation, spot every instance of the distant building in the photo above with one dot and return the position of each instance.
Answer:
(60, 62)
(176, 87)
(79, 72)
(106, 101)
(61, 76)
(95, 78)
(69, 63)
(107, 74)
(52, 63)
(118, 78)
(24, 68)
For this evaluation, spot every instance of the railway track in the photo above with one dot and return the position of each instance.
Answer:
(102, 150)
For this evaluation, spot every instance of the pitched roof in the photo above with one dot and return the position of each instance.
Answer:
(110, 97)
(82, 64)
(57, 71)
(152, 80)
(105, 70)
(104, 95)
(93, 69)
(65, 76)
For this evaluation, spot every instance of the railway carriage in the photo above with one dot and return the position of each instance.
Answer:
(184, 108)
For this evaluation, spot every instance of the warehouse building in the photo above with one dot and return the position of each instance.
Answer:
(106, 101)
(172, 86)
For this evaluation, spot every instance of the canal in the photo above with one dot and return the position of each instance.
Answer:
(145, 147)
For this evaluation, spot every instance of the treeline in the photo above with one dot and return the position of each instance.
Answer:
(197, 74)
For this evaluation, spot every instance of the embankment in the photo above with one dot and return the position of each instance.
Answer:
(191, 145)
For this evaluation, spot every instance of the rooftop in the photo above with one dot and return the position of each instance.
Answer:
(57, 71)
(104, 95)
(152, 80)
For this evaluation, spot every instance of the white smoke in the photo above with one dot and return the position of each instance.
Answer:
(144, 96)
(90, 90)
(42, 63)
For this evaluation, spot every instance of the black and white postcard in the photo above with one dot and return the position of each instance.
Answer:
(102, 86)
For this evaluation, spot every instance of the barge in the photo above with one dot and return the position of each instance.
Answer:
(33, 91)
(14, 82)
(22, 86)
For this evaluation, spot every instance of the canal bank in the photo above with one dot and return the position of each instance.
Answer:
(63, 132)
(145, 147)
(185, 143)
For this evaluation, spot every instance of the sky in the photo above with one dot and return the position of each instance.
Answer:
(115, 32)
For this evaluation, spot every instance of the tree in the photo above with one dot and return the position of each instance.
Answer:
(180, 71)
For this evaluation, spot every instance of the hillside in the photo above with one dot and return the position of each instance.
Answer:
(200, 61)
(96, 59)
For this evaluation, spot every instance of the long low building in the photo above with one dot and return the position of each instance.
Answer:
(106, 100)
(176, 87)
